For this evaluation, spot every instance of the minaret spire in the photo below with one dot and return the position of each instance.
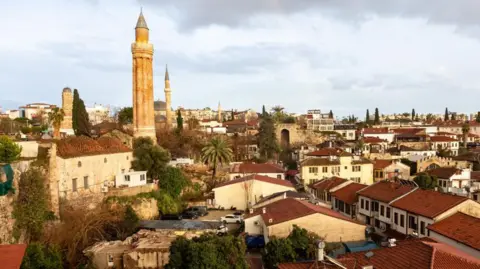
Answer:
(168, 99)
(141, 23)
(167, 77)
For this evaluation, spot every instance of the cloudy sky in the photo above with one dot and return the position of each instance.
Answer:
(342, 55)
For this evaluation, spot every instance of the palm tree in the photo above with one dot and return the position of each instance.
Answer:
(55, 117)
(217, 151)
(465, 132)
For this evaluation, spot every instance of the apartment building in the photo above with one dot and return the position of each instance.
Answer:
(318, 121)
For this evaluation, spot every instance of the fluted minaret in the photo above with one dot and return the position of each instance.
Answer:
(67, 107)
(168, 99)
(219, 116)
(142, 52)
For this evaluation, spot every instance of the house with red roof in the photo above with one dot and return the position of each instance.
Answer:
(438, 142)
(321, 189)
(373, 144)
(382, 133)
(345, 199)
(276, 219)
(374, 202)
(242, 193)
(460, 230)
(386, 169)
(413, 212)
(453, 180)
(11, 256)
(239, 170)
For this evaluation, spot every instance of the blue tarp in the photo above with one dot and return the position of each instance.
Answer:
(7, 186)
(360, 246)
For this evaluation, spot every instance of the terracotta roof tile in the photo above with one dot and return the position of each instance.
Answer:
(408, 130)
(370, 139)
(438, 138)
(270, 180)
(320, 161)
(375, 130)
(326, 152)
(249, 168)
(11, 256)
(422, 253)
(428, 203)
(386, 191)
(348, 194)
(72, 147)
(277, 212)
(308, 265)
(459, 227)
(327, 183)
(381, 164)
(443, 172)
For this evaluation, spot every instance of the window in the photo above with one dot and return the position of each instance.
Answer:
(356, 168)
(395, 218)
(355, 179)
(347, 209)
(79, 164)
(127, 158)
(382, 210)
(324, 169)
(105, 160)
(341, 206)
(123, 171)
(313, 170)
(85, 182)
(127, 177)
(74, 185)
(388, 212)
(329, 197)
(422, 228)
(402, 221)
(142, 177)
(336, 204)
(336, 169)
(411, 223)
(346, 167)
(279, 176)
(367, 205)
(361, 203)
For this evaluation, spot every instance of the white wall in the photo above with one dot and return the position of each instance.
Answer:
(29, 148)
(389, 137)
(455, 244)
(251, 228)
(131, 179)
(272, 175)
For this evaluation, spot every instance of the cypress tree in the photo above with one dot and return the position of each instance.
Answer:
(80, 122)
(179, 121)
(413, 114)
(454, 116)
(76, 98)
(377, 117)
(446, 115)
(264, 112)
(330, 114)
(367, 117)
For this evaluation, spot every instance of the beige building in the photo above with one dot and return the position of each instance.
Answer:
(277, 219)
(239, 170)
(329, 162)
(143, 112)
(385, 169)
(243, 193)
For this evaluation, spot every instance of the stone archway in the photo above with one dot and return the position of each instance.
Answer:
(285, 138)
(432, 166)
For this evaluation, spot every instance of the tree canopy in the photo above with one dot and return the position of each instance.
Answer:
(367, 117)
(41, 256)
(217, 151)
(425, 181)
(413, 114)
(267, 138)
(179, 121)
(80, 122)
(55, 117)
(125, 115)
(149, 157)
(208, 252)
(445, 118)
(173, 181)
(9, 150)
(376, 120)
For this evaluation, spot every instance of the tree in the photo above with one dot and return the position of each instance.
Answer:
(429, 117)
(413, 114)
(453, 116)
(445, 118)
(192, 123)
(232, 114)
(377, 117)
(303, 242)
(264, 112)
(55, 117)
(167, 204)
(278, 114)
(149, 157)
(426, 181)
(278, 250)
(208, 251)
(125, 115)
(267, 139)
(41, 256)
(130, 221)
(31, 209)
(179, 121)
(80, 122)
(465, 132)
(217, 151)
(9, 150)
(330, 114)
(173, 181)
(367, 117)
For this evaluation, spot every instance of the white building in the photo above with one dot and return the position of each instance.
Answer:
(98, 113)
(445, 143)
(131, 179)
(318, 121)
(263, 169)
(34, 110)
(381, 133)
(454, 180)
(180, 161)
(13, 114)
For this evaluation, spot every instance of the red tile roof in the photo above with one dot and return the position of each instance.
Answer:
(460, 227)
(326, 152)
(428, 203)
(438, 138)
(444, 172)
(252, 168)
(386, 191)
(320, 161)
(370, 139)
(309, 265)
(290, 209)
(348, 194)
(11, 256)
(327, 183)
(445, 134)
(407, 130)
(375, 130)
(265, 179)
(381, 164)
(422, 253)
(72, 147)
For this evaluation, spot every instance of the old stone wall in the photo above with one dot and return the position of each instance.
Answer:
(6, 209)
(298, 135)
(29, 148)
(146, 209)
(424, 163)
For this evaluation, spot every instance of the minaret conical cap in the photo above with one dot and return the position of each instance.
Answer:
(167, 77)
(141, 23)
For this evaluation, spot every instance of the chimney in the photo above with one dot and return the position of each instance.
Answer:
(285, 195)
(264, 210)
(251, 210)
(320, 246)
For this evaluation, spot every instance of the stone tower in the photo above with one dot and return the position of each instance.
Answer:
(219, 116)
(67, 107)
(142, 52)
(168, 99)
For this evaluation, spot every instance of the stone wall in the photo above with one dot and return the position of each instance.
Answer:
(29, 148)
(298, 135)
(424, 163)
(6, 209)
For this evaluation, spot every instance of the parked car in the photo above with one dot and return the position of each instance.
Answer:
(199, 210)
(189, 214)
(238, 213)
(172, 217)
(231, 218)
(222, 230)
